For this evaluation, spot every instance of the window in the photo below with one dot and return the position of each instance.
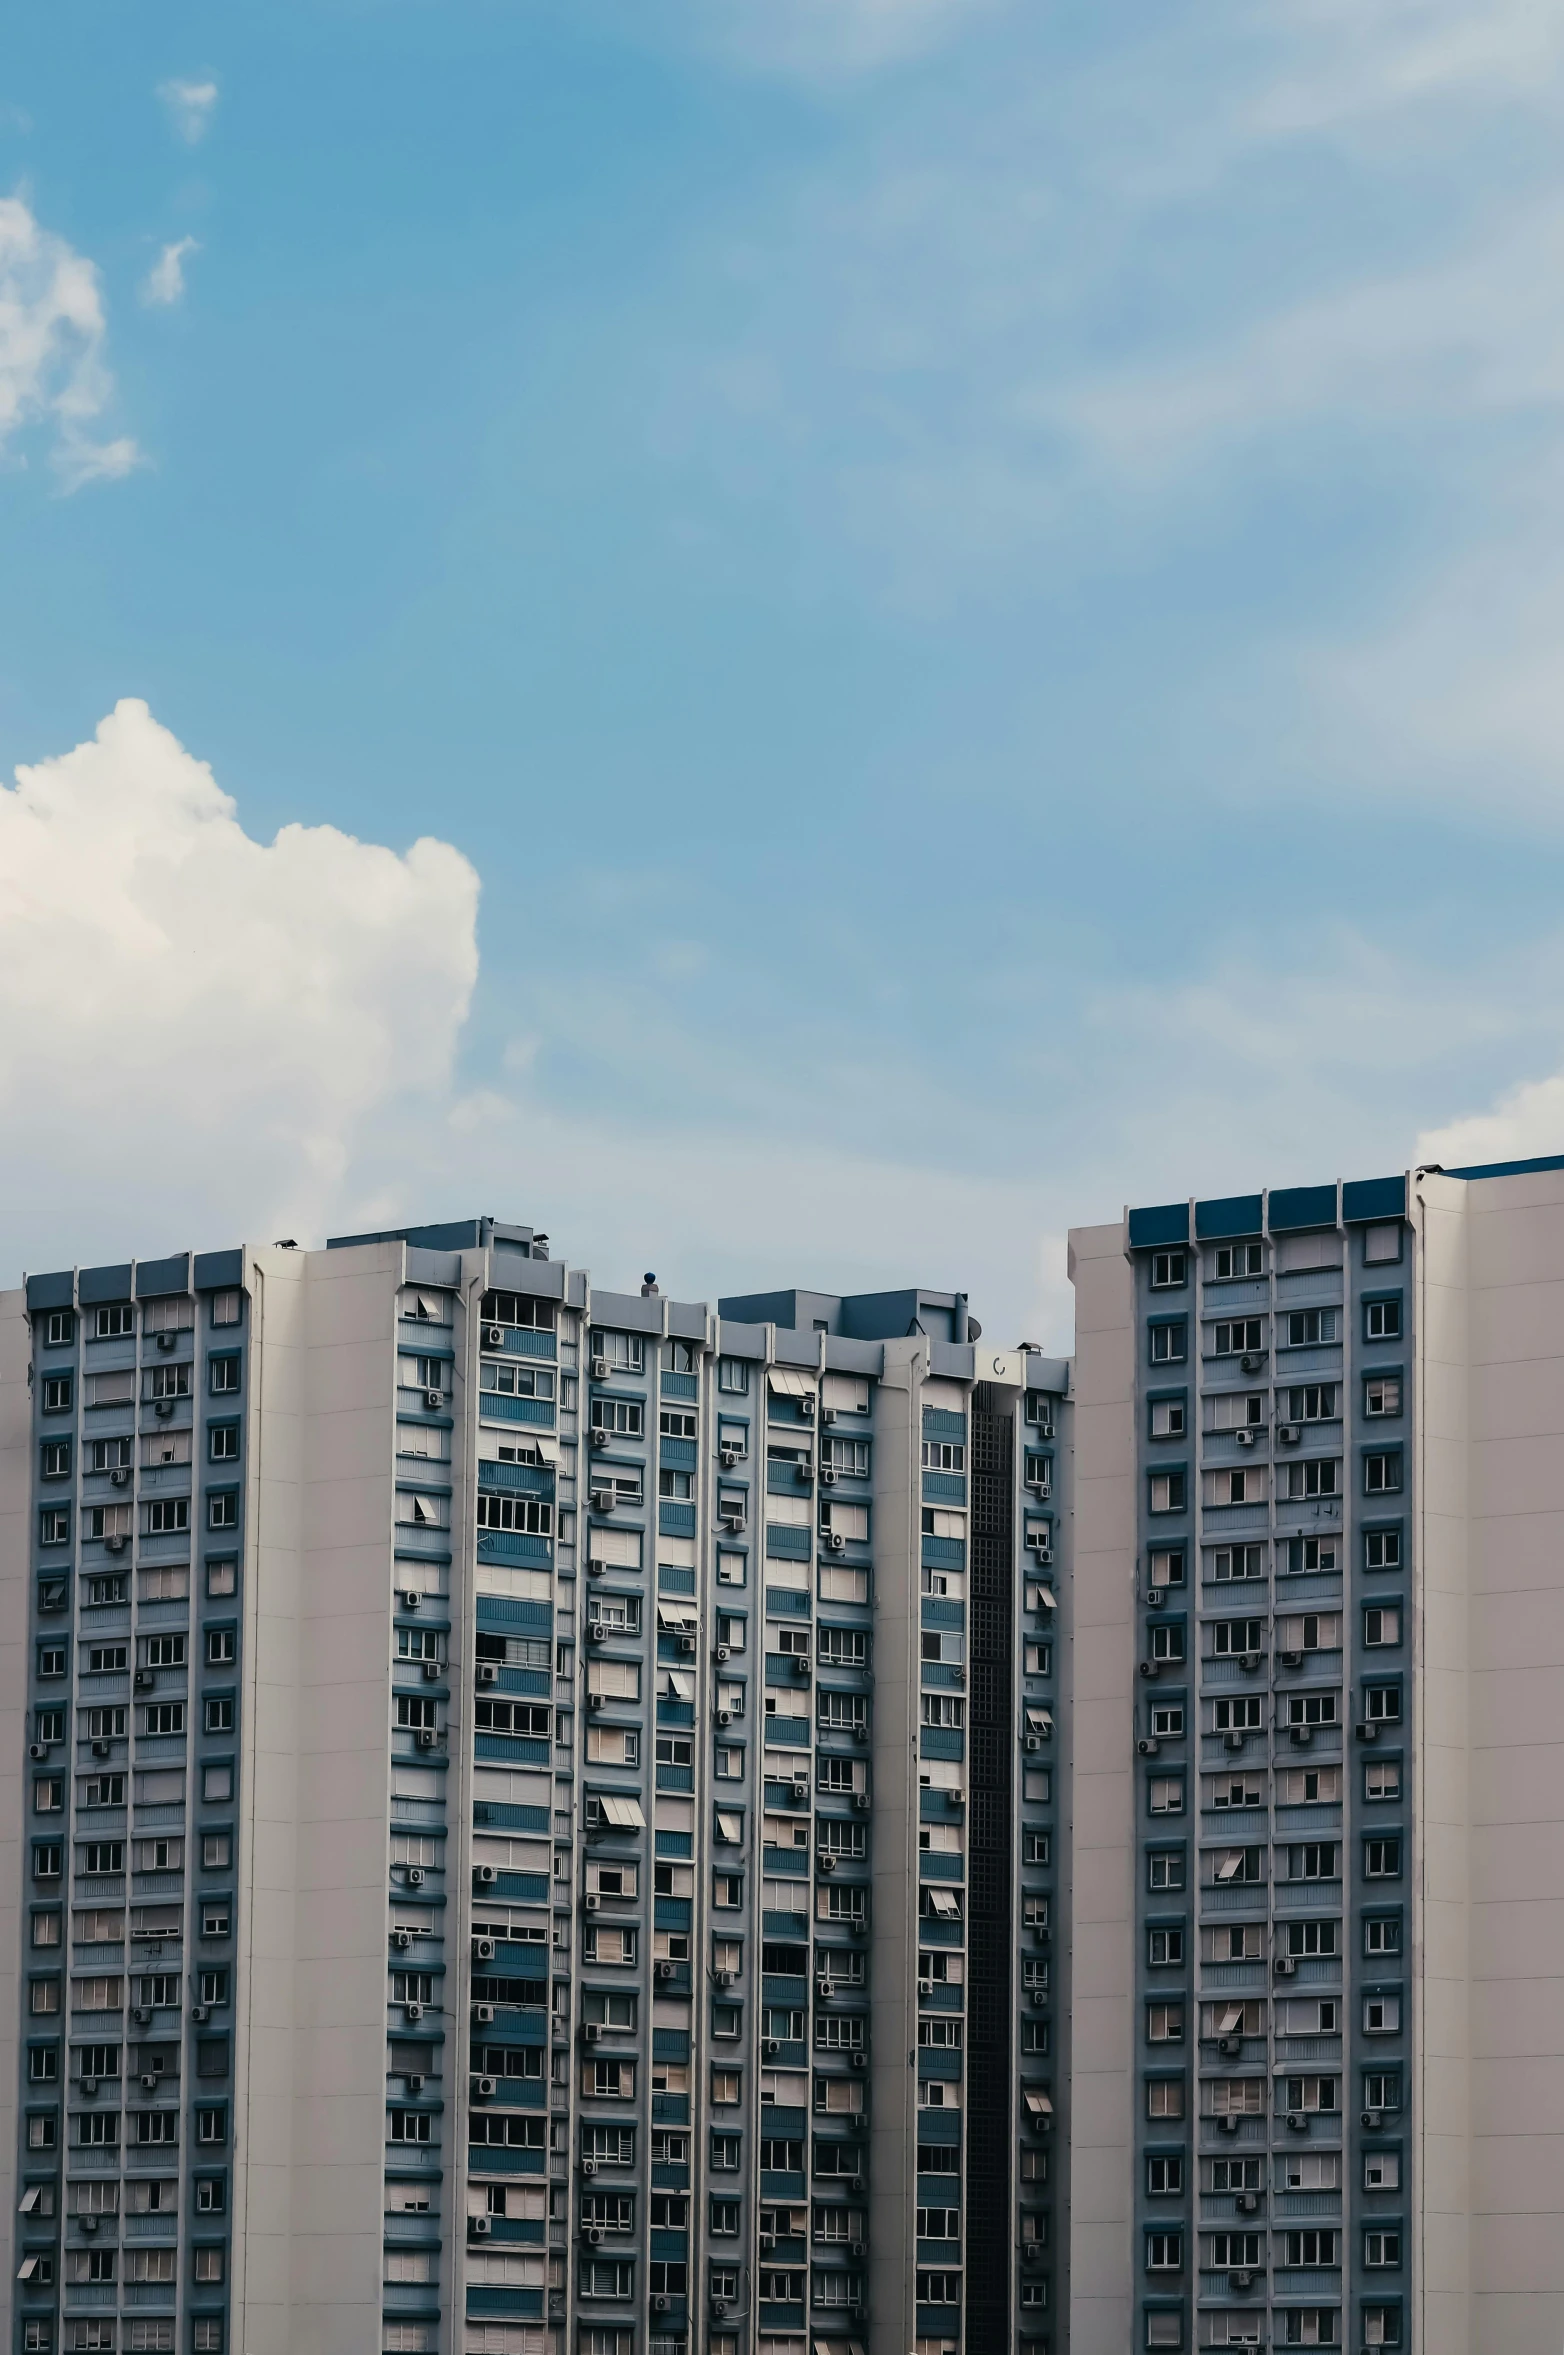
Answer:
(165, 1516)
(1315, 1476)
(1230, 1867)
(1165, 1868)
(1381, 2170)
(1311, 1938)
(733, 1376)
(1382, 1318)
(1308, 2094)
(1168, 1492)
(1309, 1328)
(1314, 2246)
(1165, 2023)
(1169, 1342)
(54, 1459)
(1382, 1860)
(1381, 2326)
(1164, 1948)
(1236, 1638)
(1381, 2248)
(1313, 1709)
(56, 1394)
(1167, 1641)
(1237, 1561)
(1168, 1418)
(1238, 1337)
(1167, 1720)
(1382, 1395)
(1312, 1402)
(1240, 1716)
(1164, 2097)
(1382, 1704)
(1381, 1626)
(1314, 1860)
(54, 1525)
(1165, 1794)
(222, 1375)
(112, 1324)
(623, 1353)
(1381, 1549)
(1382, 1473)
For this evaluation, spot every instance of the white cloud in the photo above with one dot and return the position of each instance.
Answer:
(52, 371)
(1526, 1122)
(191, 106)
(195, 1026)
(165, 281)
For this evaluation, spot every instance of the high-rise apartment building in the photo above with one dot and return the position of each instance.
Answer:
(533, 1816)
(1319, 1666)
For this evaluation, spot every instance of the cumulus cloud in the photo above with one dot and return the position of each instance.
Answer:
(165, 281)
(1525, 1122)
(190, 107)
(52, 370)
(199, 1027)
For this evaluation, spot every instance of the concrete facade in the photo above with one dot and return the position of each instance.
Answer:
(522, 1845)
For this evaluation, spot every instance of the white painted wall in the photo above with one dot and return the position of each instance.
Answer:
(1103, 1748)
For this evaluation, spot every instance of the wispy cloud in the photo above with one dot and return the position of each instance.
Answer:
(53, 376)
(165, 281)
(190, 106)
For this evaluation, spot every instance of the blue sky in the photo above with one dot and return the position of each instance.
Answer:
(978, 583)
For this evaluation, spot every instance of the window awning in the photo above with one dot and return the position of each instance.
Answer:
(1039, 1721)
(1230, 2017)
(786, 1382)
(30, 2199)
(1229, 1867)
(730, 1827)
(943, 1903)
(624, 1812)
(1037, 2102)
(677, 1618)
(1046, 1600)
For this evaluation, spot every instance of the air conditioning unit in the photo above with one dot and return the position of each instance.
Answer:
(589, 2167)
(485, 2088)
(724, 1717)
(145, 1680)
(596, 1569)
(1368, 1731)
(661, 2304)
(494, 1336)
(602, 1500)
(597, 1633)
(720, 1652)
(1286, 1966)
(1034, 1743)
(600, 1369)
(415, 1876)
(824, 1987)
(488, 1671)
(401, 1940)
(164, 1408)
(805, 1474)
(1251, 1361)
(1292, 1659)
(770, 2048)
(100, 1749)
(202, 2012)
(142, 2014)
(89, 2086)
(592, 2030)
(855, 2183)
(1150, 1668)
(859, 1732)
(114, 1545)
(837, 1542)
(859, 2060)
(415, 2083)
(799, 1787)
(687, 1647)
(120, 1476)
(148, 2082)
(1248, 2203)
(727, 1457)
(431, 1672)
(1249, 1662)
(855, 2249)
(1148, 1745)
(1289, 1434)
(828, 1864)
(1044, 1553)
(806, 1410)
(1231, 2046)
(1302, 1736)
(1228, 2124)
(434, 1398)
(37, 1749)
(414, 2010)
(1243, 2279)
(483, 2013)
(664, 1970)
(485, 1875)
(166, 1341)
(726, 1978)
(598, 1437)
(719, 2306)
(1373, 2120)
(411, 1598)
(828, 1475)
(483, 1950)
(801, 1665)
(480, 2227)
(861, 1800)
(425, 1737)
(1246, 1436)
(592, 1901)
(1297, 2123)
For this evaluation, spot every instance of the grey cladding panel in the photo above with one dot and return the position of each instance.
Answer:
(156, 1278)
(56, 1291)
(218, 1271)
(95, 1284)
